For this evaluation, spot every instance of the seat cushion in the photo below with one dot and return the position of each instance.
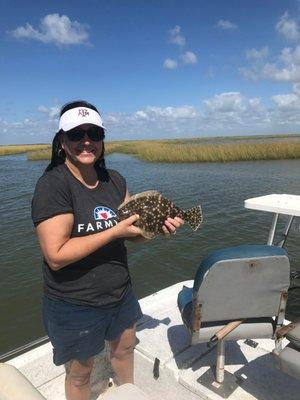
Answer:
(242, 282)
(294, 336)
(233, 253)
(252, 328)
(184, 297)
(14, 385)
(288, 361)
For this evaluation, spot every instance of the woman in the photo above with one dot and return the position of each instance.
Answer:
(88, 296)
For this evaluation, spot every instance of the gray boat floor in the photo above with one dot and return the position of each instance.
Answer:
(185, 372)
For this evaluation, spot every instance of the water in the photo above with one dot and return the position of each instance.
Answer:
(220, 188)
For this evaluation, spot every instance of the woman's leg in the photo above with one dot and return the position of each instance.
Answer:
(77, 383)
(122, 355)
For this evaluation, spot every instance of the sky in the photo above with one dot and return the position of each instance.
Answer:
(153, 68)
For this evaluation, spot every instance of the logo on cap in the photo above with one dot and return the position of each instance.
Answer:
(83, 112)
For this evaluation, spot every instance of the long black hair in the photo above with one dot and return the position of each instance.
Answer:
(58, 154)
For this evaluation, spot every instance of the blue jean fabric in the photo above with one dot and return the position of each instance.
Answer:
(78, 332)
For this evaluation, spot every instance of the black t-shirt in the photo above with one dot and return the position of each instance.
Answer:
(102, 278)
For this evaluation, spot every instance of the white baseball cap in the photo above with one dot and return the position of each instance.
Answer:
(79, 116)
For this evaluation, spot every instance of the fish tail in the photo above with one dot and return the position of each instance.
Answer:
(194, 217)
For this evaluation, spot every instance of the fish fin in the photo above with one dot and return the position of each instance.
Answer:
(194, 217)
(138, 195)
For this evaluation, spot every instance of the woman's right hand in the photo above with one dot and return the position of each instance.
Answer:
(126, 228)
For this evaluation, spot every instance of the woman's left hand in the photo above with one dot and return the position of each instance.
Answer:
(171, 225)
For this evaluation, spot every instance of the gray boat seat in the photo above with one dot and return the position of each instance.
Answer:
(247, 283)
(14, 385)
(294, 336)
(288, 360)
(125, 392)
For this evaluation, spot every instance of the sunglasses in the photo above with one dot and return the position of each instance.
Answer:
(96, 134)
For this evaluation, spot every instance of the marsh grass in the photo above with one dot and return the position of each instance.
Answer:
(220, 152)
(192, 150)
(186, 151)
(44, 154)
(18, 149)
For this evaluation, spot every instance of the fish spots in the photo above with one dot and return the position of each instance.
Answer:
(154, 209)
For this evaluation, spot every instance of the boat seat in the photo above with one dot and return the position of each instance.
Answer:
(246, 283)
(125, 392)
(14, 385)
(294, 336)
(288, 360)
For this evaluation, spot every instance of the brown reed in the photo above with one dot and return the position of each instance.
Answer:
(189, 151)
(18, 149)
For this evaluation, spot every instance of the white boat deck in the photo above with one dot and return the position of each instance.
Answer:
(184, 372)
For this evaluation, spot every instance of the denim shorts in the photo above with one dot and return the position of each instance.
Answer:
(78, 332)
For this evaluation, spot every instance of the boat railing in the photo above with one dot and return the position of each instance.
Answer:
(23, 349)
(285, 204)
(278, 204)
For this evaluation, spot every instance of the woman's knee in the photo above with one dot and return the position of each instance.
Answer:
(123, 347)
(122, 352)
(79, 380)
(78, 373)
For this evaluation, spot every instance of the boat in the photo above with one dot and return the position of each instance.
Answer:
(184, 349)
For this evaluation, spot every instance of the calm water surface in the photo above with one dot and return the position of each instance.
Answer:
(220, 188)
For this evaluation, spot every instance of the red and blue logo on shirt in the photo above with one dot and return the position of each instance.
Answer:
(103, 213)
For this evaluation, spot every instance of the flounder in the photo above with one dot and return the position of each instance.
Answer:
(153, 209)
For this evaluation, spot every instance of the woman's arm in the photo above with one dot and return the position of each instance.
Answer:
(60, 250)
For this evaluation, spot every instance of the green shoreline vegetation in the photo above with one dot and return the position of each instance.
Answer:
(215, 149)
(22, 148)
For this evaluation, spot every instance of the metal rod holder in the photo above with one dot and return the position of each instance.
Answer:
(272, 230)
(220, 361)
(285, 232)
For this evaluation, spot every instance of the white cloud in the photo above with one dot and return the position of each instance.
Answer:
(142, 115)
(290, 56)
(296, 88)
(153, 122)
(286, 68)
(287, 107)
(288, 27)
(257, 54)
(233, 112)
(251, 74)
(28, 130)
(290, 73)
(225, 102)
(289, 101)
(171, 113)
(223, 114)
(228, 113)
(175, 37)
(169, 63)
(51, 112)
(226, 25)
(189, 58)
(56, 29)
